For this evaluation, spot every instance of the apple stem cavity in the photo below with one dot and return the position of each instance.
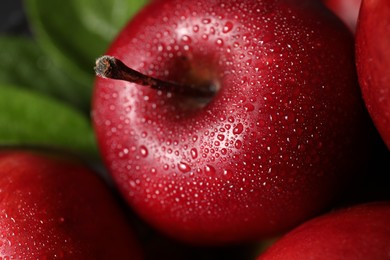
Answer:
(113, 68)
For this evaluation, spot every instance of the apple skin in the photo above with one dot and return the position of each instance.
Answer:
(373, 62)
(54, 207)
(359, 232)
(275, 145)
(347, 10)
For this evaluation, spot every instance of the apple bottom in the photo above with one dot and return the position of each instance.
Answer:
(212, 212)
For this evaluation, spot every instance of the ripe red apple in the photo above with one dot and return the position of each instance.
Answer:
(262, 124)
(347, 10)
(54, 207)
(359, 232)
(373, 62)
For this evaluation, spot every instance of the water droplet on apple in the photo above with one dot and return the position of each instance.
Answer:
(290, 117)
(195, 28)
(249, 107)
(227, 173)
(238, 144)
(194, 153)
(208, 169)
(144, 151)
(238, 129)
(220, 137)
(184, 167)
(206, 20)
(227, 27)
(186, 39)
(132, 184)
(160, 47)
(219, 42)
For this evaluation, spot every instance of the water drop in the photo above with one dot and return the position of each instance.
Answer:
(238, 129)
(195, 28)
(206, 20)
(144, 151)
(160, 47)
(219, 42)
(186, 39)
(183, 167)
(220, 137)
(290, 117)
(194, 153)
(227, 173)
(249, 107)
(227, 27)
(238, 144)
(209, 169)
(132, 184)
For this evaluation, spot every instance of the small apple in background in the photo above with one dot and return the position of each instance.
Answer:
(359, 232)
(346, 10)
(373, 62)
(54, 207)
(257, 122)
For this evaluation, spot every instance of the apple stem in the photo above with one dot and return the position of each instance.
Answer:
(113, 68)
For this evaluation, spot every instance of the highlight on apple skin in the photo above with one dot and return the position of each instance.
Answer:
(52, 206)
(346, 10)
(373, 62)
(282, 136)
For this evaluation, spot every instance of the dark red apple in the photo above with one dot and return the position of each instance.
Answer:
(54, 207)
(373, 62)
(271, 146)
(359, 232)
(347, 10)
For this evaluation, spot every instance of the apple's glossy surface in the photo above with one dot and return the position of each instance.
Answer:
(373, 62)
(357, 233)
(270, 149)
(54, 207)
(347, 10)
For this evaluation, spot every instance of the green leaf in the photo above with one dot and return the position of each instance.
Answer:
(27, 118)
(106, 18)
(76, 32)
(24, 63)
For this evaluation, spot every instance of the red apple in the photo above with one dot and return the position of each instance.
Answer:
(359, 232)
(271, 147)
(373, 62)
(55, 208)
(347, 10)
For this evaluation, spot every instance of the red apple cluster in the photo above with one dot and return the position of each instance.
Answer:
(221, 123)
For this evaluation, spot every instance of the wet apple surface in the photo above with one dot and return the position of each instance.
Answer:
(273, 146)
(52, 206)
